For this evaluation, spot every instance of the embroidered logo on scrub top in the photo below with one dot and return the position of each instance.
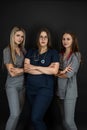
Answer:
(37, 58)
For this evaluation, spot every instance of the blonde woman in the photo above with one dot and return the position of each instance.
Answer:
(13, 56)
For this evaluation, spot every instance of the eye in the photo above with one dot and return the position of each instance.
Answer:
(63, 39)
(68, 39)
(43, 37)
(17, 35)
(22, 36)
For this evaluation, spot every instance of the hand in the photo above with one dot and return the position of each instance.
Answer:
(68, 68)
(26, 61)
(16, 71)
(29, 67)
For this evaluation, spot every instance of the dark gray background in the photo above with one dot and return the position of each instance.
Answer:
(57, 16)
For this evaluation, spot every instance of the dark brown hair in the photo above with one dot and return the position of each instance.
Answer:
(75, 47)
(48, 34)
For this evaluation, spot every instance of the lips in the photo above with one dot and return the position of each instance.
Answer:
(43, 42)
(65, 44)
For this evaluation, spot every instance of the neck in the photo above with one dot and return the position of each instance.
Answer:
(43, 49)
(67, 51)
(17, 50)
(67, 54)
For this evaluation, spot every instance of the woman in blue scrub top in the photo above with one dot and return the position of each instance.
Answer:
(41, 65)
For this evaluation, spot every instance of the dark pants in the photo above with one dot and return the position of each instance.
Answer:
(40, 104)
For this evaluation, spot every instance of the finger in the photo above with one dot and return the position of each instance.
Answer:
(69, 69)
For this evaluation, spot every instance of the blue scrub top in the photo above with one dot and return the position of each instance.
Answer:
(42, 83)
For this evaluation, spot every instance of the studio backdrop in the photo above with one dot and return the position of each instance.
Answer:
(58, 16)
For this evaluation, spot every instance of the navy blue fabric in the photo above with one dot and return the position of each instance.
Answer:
(41, 83)
(40, 104)
(40, 87)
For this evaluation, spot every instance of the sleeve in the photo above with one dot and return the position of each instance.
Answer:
(24, 51)
(7, 56)
(55, 56)
(75, 63)
(28, 54)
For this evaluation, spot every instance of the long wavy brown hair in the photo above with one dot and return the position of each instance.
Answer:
(75, 47)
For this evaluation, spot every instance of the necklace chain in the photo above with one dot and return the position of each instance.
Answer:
(37, 57)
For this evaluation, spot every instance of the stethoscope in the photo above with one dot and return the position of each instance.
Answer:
(37, 57)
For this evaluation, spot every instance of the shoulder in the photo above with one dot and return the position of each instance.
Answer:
(7, 55)
(6, 50)
(30, 52)
(54, 55)
(53, 51)
(24, 50)
(60, 54)
(77, 55)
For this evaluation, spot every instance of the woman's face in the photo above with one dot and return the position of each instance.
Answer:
(67, 40)
(43, 39)
(18, 37)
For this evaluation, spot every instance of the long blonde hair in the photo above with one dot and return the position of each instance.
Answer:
(12, 43)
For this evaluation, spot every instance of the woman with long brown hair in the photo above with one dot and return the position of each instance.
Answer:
(41, 65)
(70, 59)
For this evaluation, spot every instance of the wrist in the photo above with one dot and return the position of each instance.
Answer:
(63, 72)
(22, 70)
(37, 67)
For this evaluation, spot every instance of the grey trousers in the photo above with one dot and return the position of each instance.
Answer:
(68, 111)
(15, 98)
